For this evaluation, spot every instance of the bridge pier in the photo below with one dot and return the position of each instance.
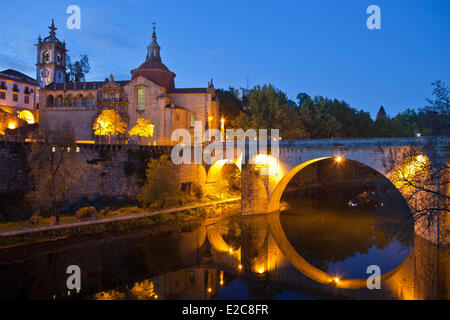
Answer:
(254, 190)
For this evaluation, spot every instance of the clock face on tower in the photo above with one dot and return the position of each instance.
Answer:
(45, 76)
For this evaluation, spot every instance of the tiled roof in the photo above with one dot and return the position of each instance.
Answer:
(189, 90)
(88, 85)
(14, 75)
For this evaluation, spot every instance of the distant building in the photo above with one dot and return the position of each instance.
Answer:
(19, 99)
(381, 114)
(150, 94)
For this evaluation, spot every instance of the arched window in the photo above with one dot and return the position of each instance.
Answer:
(79, 101)
(50, 101)
(68, 102)
(140, 99)
(46, 57)
(59, 59)
(59, 101)
(90, 100)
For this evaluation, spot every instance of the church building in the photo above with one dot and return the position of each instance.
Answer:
(150, 94)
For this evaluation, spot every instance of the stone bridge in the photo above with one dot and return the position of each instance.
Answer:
(266, 174)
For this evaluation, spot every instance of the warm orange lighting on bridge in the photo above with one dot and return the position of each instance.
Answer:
(336, 279)
(338, 159)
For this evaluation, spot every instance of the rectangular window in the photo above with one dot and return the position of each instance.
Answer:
(15, 97)
(141, 99)
(191, 119)
(2, 95)
(27, 99)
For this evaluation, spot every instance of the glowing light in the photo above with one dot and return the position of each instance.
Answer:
(269, 166)
(230, 250)
(11, 125)
(209, 289)
(86, 141)
(27, 116)
(420, 158)
(338, 159)
(210, 118)
(240, 267)
(156, 296)
(222, 122)
(221, 282)
(336, 279)
(261, 270)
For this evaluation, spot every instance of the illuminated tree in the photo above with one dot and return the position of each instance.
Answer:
(423, 183)
(143, 128)
(109, 123)
(144, 290)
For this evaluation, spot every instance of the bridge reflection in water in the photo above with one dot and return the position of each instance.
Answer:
(203, 262)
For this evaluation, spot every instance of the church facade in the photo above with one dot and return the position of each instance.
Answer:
(149, 94)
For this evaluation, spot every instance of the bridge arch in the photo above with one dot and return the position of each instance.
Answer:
(395, 173)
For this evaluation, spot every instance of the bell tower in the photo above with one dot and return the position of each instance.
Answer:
(51, 59)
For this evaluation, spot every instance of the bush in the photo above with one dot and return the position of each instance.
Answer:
(86, 213)
(35, 219)
(198, 191)
(162, 185)
(52, 220)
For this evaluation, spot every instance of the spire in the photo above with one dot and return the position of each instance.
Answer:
(52, 30)
(153, 48)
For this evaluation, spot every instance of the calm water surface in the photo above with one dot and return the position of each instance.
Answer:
(340, 229)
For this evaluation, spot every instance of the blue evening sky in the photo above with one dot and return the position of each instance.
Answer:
(319, 47)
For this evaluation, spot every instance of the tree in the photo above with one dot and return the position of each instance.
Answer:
(77, 70)
(143, 128)
(423, 183)
(229, 104)
(269, 108)
(434, 119)
(161, 186)
(109, 123)
(48, 161)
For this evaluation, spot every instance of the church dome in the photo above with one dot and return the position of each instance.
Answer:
(153, 69)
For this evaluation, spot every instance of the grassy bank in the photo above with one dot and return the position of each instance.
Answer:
(129, 219)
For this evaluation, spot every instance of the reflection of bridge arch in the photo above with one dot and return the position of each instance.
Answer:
(306, 268)
(218, 243)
